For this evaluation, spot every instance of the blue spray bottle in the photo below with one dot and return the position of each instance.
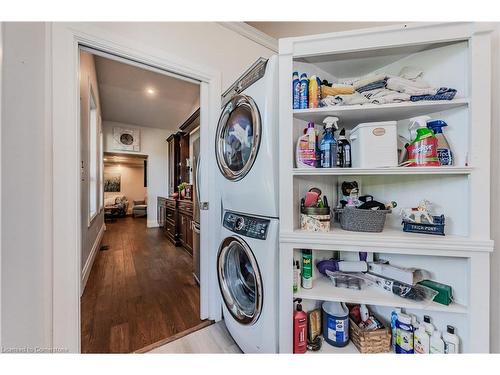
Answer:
(304, 92)
(296, 90)
(445, 155)
(328, 145)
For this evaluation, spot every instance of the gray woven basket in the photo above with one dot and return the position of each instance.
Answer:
(357, 220)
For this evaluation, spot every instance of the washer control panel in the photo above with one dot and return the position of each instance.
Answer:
(247, 226)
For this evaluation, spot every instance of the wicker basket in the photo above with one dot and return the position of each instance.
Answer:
(358, 220)
(378, 341)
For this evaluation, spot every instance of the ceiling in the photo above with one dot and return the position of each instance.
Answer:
(124, 96)
(288, 29)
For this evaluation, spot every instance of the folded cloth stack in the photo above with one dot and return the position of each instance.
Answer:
(382, 88)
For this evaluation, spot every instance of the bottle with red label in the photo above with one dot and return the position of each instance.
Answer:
(299, 329)
(423, 151)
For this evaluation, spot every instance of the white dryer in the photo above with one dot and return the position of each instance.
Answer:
(247, 264)
(247, 141)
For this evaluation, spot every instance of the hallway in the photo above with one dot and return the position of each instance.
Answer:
(140, 291)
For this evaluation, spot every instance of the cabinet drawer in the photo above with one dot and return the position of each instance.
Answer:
(169, 214)
(170, 203)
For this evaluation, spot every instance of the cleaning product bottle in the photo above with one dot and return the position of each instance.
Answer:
(422, 151)
(313, 92)
(421, 340)
(404, 335)
(296, 276)
(299, 329)
(304, 91)
(335, 323)
(307, 269)
(305, 152)
(445, 155)
(429, 327)
(437, 343)
(343, 151)
(451, 341)
(394, 319)
(296, 90)
(328, 145)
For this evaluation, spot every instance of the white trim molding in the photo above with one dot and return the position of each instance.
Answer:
(250, 32)
(90, 260)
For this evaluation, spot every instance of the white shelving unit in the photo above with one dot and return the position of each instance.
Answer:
(451, 55)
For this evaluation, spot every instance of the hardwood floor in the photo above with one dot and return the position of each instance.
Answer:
(140, 291)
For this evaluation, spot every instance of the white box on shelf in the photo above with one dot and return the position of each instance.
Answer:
(405, 275)
(374, 145)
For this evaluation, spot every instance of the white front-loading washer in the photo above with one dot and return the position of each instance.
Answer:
(247, 141)
(247, 264)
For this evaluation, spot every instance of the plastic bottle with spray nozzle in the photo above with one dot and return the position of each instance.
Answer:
(445, 155)
(328, 145)
(422, 151)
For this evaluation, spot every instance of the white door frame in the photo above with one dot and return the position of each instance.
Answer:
(66, 230)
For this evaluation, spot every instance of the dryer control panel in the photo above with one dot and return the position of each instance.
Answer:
(247, 226)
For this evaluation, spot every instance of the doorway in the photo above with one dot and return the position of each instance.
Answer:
(66, 39)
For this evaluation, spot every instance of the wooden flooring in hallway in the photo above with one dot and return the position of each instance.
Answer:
(140, 291)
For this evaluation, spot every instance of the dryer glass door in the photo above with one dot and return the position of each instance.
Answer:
(238, 137)
(240, 280)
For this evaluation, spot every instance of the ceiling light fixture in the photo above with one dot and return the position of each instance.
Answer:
(150, 91)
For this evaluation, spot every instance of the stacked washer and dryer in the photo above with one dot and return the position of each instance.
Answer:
(247, 156)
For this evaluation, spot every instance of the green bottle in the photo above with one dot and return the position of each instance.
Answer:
(307, 269)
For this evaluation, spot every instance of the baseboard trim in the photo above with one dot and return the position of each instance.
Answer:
(91, 258)
(152, 224)
(177, 336)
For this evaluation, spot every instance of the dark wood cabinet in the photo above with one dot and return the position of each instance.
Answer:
(174, 162)
(175, 217)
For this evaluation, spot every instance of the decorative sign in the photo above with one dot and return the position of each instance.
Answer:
(126, 139)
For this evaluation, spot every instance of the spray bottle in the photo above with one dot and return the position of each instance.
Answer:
(304, 92)
(443, 147)
(328, 145)
(343, 151)
(296, 90)
(422, 151)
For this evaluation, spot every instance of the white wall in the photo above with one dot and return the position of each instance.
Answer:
(90, 231)
(26, 189)
(154, 145)
(131, 185)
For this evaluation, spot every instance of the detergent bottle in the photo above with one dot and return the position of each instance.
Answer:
(328, 145)
(445, 155)
(299, 329)
(305, 152)
(422, 151)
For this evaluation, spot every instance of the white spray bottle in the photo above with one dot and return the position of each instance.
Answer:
(416, 123)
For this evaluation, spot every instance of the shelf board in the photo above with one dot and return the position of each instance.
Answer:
(359, 113)
(326, 348)
(382, 171)
(324, 290)
(338, 239)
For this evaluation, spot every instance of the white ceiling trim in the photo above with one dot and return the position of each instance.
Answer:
(252, 33)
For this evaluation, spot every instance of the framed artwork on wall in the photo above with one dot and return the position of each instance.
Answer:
(112, 182)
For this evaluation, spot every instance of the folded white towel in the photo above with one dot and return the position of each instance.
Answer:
(350, 99)
(410, 87)
(410, 72)
(366, 80)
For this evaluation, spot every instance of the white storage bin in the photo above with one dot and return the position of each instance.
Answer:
(374, 145)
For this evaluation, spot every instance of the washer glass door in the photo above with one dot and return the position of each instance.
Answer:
(238, 137)
(240, 281)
